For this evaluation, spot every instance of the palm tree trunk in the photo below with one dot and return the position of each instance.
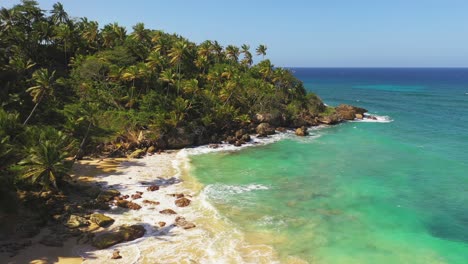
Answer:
(77, 156)
(33, 110)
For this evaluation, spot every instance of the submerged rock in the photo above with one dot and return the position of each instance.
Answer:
(128, 204)
(182, 202)
(150, 202)
(182, 222)
(167, 211)
(152, 188)
(101, 220)
(177, 195)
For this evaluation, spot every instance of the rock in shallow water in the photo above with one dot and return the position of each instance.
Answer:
(182, 222)
(167, 211)
(182, 202)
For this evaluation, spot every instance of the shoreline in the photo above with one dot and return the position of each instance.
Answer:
(173, 174)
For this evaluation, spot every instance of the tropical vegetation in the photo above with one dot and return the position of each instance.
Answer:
(70, 87)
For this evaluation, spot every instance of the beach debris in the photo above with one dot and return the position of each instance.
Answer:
(152, 188)
(182, 222)
(182, 202)
(167, 211)
(128, 204)
(116, 254)
(125, 233)
(150, 202)
(76, 221)
(137, 154)
(301, 131)
(161, 224)
(101, 220)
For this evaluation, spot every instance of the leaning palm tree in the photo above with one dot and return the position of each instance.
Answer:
(247, 60)
(232, 53)
(44, 87)
(45, 164)
(261, 50)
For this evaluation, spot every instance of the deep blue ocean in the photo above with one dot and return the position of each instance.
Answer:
(359, 192)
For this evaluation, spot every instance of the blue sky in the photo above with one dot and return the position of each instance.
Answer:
(316, 33)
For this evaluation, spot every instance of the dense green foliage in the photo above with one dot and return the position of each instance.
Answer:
(98, 85)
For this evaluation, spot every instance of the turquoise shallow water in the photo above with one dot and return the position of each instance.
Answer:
(359, 192)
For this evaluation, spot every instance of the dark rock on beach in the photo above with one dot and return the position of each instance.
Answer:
(167, 211)
(125, 233)
(182, 202)
(152, 188)
(101, 220)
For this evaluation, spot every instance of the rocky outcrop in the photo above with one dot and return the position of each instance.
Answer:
(265, 129)
(180, 138)
(275, 119)
(182, 202)
(125, 233)
(76, 221)
(349, 112)
(101, 220)
(330, 119)
(359, 116)
(301, 131)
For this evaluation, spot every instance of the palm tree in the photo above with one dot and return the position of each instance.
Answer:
(266, 69)
(232, 53)
(44, 87)
(168, 77)
(261, 50)
(59, 16)
(156, 61)
(45, 163)
(177, 54)
(90, 33)
(247, 60)
(140, 33)
(131, 74)
(217, 50)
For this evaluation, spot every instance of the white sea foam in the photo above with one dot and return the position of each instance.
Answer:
(379, 119)
(213, 240)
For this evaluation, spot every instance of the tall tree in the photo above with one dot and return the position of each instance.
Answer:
(261, 50)
(44, 87)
